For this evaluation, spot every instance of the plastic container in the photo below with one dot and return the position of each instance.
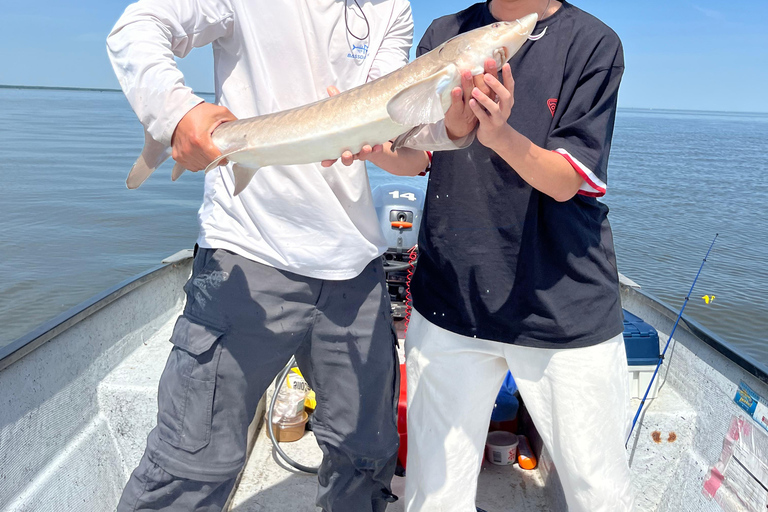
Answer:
(504, 415)
(640, 377)
(525, 457)
(289, 406)
(501, 448)
(641, 341)
(293, 430)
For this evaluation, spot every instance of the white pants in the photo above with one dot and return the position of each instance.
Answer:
(578, 398)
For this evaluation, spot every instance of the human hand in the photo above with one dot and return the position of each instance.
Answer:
(347, 157)
(493, 115)
(191, 141)
(459, 119)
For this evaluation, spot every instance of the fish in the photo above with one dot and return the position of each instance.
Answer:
(392, 107)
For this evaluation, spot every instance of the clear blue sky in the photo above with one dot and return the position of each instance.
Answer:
(687, 54)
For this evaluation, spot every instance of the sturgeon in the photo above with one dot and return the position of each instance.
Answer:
(393, 106)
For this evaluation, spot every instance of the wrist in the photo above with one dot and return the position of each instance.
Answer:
(457, 133)
(504, 139)
(452, 135)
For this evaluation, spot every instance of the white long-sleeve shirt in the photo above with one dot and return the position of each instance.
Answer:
(268, 56)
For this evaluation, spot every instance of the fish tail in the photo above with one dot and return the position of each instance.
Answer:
(177, 171)
(153, 154)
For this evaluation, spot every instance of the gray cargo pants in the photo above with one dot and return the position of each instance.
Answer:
(241, 324)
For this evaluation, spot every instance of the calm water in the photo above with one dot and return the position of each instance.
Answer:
(70, 228)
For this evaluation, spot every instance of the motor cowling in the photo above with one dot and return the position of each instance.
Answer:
(399, 209)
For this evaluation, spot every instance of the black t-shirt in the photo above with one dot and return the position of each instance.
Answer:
(498, 259)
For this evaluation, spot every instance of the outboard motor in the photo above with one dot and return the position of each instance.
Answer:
(399, 209)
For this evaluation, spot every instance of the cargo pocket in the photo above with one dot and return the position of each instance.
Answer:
(186, 391)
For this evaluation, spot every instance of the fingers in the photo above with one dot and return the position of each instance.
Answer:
(479, 83)
(195, 151)
(478, 98)
(480, 112)
(509, 82)
(347, 158)
(364, 153)
(457, 98)
(191, 142)
(499, 90)
(467, 84)
(490, 67)
(479, 80)
(332, 90)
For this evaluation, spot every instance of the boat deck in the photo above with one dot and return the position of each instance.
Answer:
(269, 484)
(127, 399)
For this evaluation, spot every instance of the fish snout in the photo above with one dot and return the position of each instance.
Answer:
(516, 34)
(527, 23)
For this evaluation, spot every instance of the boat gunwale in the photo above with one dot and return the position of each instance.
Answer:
(43, 333)
(746, 362)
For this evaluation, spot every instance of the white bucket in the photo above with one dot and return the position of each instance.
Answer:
(501, 448)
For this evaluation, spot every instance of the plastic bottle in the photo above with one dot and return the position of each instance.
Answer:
(525, 457)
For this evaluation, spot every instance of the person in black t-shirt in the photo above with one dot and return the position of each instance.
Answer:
(517, 269)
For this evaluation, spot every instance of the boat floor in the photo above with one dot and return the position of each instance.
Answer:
(269, 484)
(128, 400)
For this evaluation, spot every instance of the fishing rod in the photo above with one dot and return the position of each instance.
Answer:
(661, 357)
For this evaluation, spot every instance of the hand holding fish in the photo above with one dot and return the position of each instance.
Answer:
(347, 157)
(191, 142)
(459, 119)
(544, 170)
(493, 115)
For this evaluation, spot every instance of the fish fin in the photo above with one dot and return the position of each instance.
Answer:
(243, 176)
(422, 102)
(402, 138)
(177, 171)
(153, 154)
(218, 160)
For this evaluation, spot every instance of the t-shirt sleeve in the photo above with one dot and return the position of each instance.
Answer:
(394, 50)
(142, 47)
(425, 45)
(584, 131)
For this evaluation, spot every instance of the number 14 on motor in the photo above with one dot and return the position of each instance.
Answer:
(407, 195)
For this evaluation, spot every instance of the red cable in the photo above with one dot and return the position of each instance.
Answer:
(411, 264)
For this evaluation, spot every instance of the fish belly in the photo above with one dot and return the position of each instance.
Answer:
(312, 148)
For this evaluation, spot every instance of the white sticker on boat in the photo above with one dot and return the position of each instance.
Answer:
(739, 480)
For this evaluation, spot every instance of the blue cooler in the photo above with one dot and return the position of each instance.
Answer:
(504, 416)
(642, 344)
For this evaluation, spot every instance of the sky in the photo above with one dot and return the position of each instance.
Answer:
(690, 55)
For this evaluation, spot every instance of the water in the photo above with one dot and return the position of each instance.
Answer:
(71, 229)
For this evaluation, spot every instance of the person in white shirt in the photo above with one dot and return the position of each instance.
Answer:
(289, 266)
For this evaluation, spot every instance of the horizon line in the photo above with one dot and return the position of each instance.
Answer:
(99, 89)
(65, 88)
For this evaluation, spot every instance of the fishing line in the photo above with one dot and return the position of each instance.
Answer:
(365, 18)
(661, 357)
